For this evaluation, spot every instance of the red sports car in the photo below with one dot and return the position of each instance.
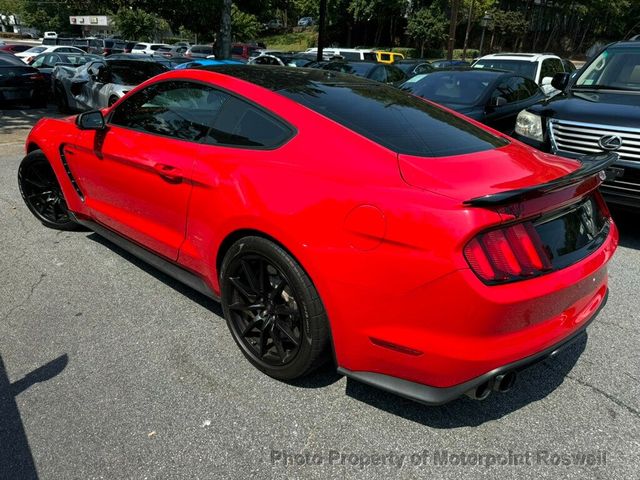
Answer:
(334, 216)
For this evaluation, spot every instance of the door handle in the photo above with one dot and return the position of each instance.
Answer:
(168, 172)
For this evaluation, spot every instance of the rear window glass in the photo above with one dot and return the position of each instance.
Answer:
(394, 119)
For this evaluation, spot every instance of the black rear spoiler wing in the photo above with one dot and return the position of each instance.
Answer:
(591, 165)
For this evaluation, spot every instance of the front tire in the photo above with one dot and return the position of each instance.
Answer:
(42, 194)
(272, 309)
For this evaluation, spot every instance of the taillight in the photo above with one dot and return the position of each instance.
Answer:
(507, 254)
(35, 76)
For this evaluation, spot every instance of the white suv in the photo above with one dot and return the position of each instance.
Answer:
(148, 48)
(539, 67)
(351, 54)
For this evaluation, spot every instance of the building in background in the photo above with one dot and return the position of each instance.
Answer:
(93, 25)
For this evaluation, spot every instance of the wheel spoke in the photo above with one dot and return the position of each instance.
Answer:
(243, 307)
(289, 334)
(263, 343)
(279, 347)
(242, 289)
(250, 326)
(249, 275)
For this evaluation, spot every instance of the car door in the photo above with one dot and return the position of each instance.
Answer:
(136, 175)
(517, 95)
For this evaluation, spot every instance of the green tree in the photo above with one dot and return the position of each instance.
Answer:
(138, 24)
(427, 25)
(244, 26)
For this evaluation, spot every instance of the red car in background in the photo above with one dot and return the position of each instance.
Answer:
(335, 216)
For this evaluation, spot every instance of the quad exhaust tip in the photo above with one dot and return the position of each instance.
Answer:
(500, 383)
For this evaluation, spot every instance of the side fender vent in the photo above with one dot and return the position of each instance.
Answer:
(69, 174)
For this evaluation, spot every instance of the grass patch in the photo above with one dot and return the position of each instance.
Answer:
(291, 42)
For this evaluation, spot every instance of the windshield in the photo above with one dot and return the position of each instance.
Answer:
(464, 88)
(36, 50)
(521, 67)
(132, 72)
(615, 68)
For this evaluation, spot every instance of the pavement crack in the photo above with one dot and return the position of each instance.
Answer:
(614, 399)
(34, 285)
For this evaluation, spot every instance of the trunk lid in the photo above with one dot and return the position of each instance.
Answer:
(464, 177)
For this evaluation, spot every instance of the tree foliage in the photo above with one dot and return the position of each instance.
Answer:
(138, 24)
(427, 25)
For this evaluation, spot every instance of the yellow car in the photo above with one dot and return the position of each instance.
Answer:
(388, 57)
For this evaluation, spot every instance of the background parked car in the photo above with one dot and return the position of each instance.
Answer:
(199, 51)
(244, 51)
(21, 84)
(306, 22)
(492, 97)
(281, 59)
(100, 84)
(350, 54)
(33, 52)
(378, 72)
(449, 63)
(172, 51)
(14, 48)
(598, 110)
(106, 46)
(414, 66)
(148, 48)
(206, 62)
(46, 62)
(539, 67)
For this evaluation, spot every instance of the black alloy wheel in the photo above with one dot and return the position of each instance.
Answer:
(272, 309)
(42, 193)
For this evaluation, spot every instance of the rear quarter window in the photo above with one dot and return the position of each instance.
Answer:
(395, 119)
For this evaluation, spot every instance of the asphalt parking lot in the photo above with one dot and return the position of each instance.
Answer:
(109, 369)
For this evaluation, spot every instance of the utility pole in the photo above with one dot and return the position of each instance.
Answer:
(224, 39)
(321, 28)
(452, 28)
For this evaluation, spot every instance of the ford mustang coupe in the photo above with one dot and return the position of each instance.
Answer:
(337, 217)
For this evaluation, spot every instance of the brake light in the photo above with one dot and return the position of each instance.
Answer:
(507, 254)
(35, 76)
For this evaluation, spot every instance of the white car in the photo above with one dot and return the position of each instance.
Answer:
(33, 52)
(539, 67)
(148, 48)
(351, 54)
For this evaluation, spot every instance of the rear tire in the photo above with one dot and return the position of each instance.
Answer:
(273, 311)
(42, 194)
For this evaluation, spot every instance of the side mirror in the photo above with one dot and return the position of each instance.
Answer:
(560, 81)
(91, 121)
(498, 102)
(546, 81)
(95, 70)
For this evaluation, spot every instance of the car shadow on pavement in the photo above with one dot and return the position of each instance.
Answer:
(180, 287)
(627, 222)
(532, 384)
(16, 460)
(16, 118)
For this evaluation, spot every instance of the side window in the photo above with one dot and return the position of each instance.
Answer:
(504, 90)
(532, 86)
(236, 51)
(519, 89)
(38, 62)
(139, 46)
(394, 74)
(550, 67)
(181, 110)
(243, 125)
(379, 74)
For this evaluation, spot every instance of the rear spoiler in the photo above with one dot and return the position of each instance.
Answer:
(591, 165)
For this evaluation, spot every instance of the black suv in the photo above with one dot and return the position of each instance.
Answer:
(598, 110)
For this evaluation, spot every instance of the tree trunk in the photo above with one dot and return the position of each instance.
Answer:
(224, 46)
(452, 28)
(466, 33)
(321, 28)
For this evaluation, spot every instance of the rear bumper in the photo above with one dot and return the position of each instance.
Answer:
(430, 395)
